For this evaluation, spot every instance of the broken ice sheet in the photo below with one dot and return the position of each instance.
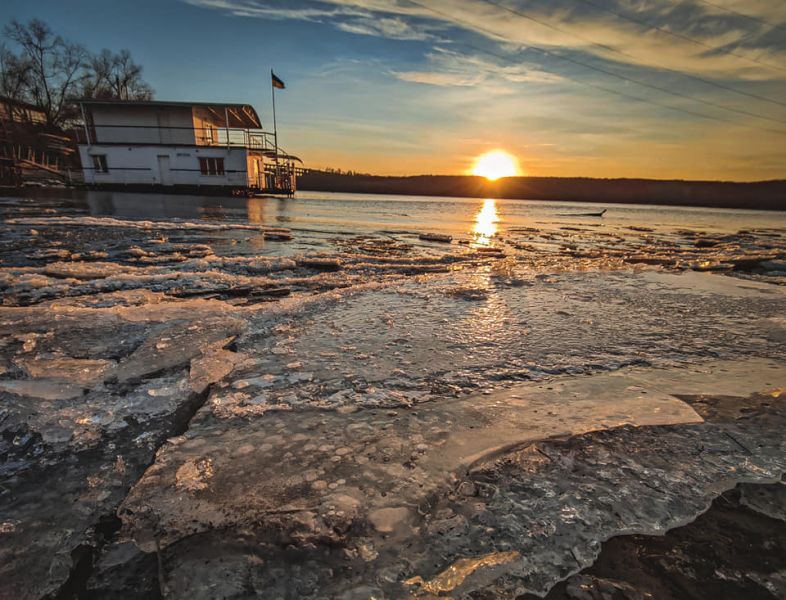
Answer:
(45, 389)
(81, 371)
(339, 402)
(399, 348)
(383, 461)
(73, 461)
(134, 224)
(68, 420)
(176, 345)
(319, 477)
(315, 474)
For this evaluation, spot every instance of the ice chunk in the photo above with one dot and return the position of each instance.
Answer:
(213, 365)
(175, 346)
(436, 237)
(388, 520)
(46, 389)
(81, 371)
(148, 225)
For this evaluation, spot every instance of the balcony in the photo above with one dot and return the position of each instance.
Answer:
(224, 137)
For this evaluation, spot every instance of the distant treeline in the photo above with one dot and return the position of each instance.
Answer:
(766, 195)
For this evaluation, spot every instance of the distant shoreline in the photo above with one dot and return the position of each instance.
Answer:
(761, 195)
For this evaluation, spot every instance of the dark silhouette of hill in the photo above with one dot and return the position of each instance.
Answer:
(767, 195)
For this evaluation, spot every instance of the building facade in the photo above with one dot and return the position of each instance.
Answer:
(182, 146)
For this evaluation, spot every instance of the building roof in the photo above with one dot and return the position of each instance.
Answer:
(240, 115)
(21, 104)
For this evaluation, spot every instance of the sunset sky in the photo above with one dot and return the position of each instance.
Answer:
(397, 87)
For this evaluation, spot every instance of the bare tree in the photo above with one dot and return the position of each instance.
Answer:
(115, 76)
(56, 67)
(14, 75)
(50, 72)
(96, 82)
(126, 79)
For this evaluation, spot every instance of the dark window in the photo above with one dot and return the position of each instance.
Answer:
(211, 166)
(99, 163)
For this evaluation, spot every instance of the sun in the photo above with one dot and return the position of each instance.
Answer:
(495, 164)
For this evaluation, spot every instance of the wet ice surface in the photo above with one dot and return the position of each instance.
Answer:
(524, 518)
(357, 401)
(390, 348)
(701, 560)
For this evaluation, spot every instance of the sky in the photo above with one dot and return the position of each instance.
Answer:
(682, 89)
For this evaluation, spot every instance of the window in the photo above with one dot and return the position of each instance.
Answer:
(99, 163)
(209, 134)
(211, 166)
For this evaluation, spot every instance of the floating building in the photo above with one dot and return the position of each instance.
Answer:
(190, 147)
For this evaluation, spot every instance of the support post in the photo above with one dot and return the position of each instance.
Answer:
(84, 120)
(275, 128)
(226, 121)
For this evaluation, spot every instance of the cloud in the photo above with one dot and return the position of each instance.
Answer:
(362, 18)
(440, 79)
(453, 69)
(391, 28)
(763, 10)
(629, 32)
(255, 9)
(495, 76)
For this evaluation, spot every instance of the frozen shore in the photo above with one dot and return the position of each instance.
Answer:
(212, 409)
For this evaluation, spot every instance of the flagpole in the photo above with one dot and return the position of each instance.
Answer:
(275, 128)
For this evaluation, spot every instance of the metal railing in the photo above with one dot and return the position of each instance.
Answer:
(256, 139)
(19, 156)
(33, 156)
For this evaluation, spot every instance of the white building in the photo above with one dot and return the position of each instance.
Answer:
(181, 146)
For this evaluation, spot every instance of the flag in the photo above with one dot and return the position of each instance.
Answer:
(277, 83)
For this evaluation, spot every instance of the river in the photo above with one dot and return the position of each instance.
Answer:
(233, 397)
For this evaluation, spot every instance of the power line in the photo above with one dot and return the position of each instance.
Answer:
(586, 83)
(682, 36)
(739, 14)
(612, 74)
(626, 54)
(622, 94)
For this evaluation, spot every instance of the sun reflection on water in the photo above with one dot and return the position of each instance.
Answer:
(486, 222)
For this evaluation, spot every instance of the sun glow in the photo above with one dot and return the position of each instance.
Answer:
(495, 164)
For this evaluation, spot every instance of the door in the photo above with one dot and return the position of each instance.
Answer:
(255, 181)
(164, 130)
(164, 174)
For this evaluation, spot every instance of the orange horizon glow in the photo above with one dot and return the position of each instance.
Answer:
(496, 164)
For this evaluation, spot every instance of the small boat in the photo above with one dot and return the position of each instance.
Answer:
(591, 214)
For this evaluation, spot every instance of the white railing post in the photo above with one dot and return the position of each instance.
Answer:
(226, 118)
